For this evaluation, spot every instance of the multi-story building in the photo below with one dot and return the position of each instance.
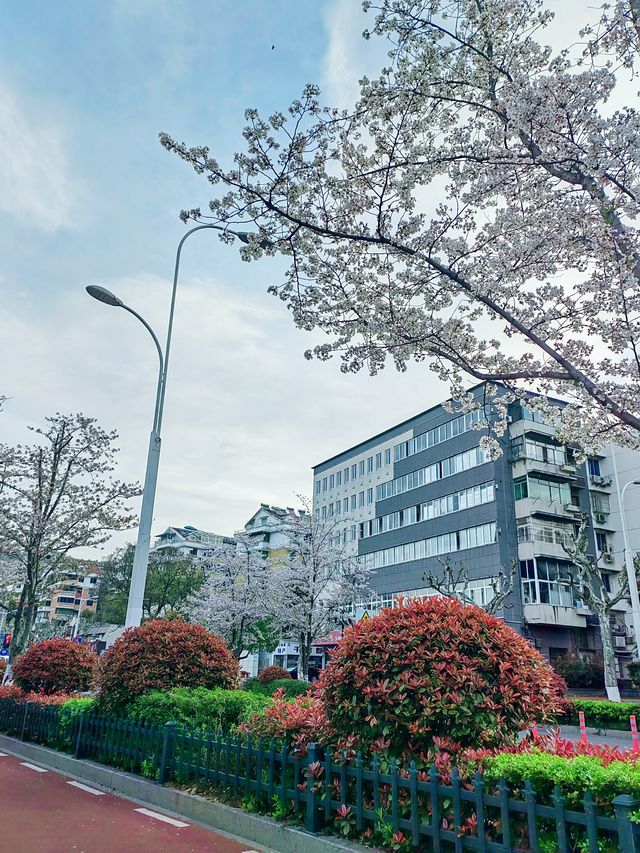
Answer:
(424, 491)
(75, 593)
(270, 528)
(188, 541)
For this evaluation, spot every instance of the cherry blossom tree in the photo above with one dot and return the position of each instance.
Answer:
(587, 580)
(319, 580)
(476, 209)
(57, 495)
(240, 598)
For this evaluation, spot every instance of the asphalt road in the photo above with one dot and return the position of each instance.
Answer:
(44, 811)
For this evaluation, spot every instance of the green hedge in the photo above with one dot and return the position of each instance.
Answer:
(290, 686)
(601, 713)
(198, 706)
(574, 776)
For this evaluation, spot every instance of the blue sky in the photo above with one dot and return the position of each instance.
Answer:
(88, 195)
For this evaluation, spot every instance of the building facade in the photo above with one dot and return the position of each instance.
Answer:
(424, 491)
(76, 593)
(188, 541)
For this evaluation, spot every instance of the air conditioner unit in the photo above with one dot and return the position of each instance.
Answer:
(601, 481)
(607, 557)
(601, 517)
(572, 508)
(568, 469)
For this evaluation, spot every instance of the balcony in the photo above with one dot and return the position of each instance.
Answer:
(546, 509)
(553, 614)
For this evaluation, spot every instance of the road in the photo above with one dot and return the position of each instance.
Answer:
(44, 811)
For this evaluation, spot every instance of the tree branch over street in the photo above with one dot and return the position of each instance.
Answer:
(480, 180)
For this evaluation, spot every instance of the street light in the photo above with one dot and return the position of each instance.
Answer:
(631, 569)
(141, 557)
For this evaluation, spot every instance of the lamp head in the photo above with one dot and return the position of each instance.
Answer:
(103, 295)
(636, 482)
(245, 236)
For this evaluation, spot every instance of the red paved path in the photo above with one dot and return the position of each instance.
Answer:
(43, 813)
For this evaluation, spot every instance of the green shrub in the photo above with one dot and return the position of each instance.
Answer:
(601, 713)
(72, 709)
(200, 707)
(290, 686)
(574, 776)
(634, 672)
(580, 673)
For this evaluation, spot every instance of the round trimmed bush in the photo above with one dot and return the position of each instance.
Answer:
(273, 673)
(160, 655)
(435, 673)
(55, 666)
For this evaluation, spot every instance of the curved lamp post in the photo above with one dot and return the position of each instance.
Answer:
(141, 557)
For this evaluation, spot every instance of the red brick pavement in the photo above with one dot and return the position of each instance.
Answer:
(43, 813)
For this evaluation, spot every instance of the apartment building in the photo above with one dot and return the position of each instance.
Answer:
(188, 541)
(423, 491)
(75, 593)
(269, 527)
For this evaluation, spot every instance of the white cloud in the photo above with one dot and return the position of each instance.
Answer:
(34, 170)
(246, 416)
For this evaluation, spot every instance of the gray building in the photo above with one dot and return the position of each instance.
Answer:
(423, 492)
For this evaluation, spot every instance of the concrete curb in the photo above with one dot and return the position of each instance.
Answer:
(262, 831)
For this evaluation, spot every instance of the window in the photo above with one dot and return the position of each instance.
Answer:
(346, 474)
(354, 472)
(600, 502)
(316, 512)
(353, 502)
(369, 496)
(369, 464)
(344, 536)
(437, 435)
(360, 498)
(378, 460)
(332, 481)
(437, 471)
(387, 456)
(541, 451)
(330, 510)
(594, 467)
(345, 505)
(446, 543)
(354, 533)
(339, 478)
(324, 484)
(546, 581)
(601, 542)
(361, 468)
(338, 507)
(318, 487)
(554, 533)
(324, 512)
(540, 488)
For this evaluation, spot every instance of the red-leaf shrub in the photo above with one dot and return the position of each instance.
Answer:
(10, 691)
(298, 722)
(273, 673)
(55, 666)
(435, 668)
(162, 654)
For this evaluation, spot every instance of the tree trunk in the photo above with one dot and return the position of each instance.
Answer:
(303, 657)
(17, 624)
(608, 656)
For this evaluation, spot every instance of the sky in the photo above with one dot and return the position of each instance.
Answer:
(87, 195)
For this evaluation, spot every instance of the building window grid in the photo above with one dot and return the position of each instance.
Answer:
(541, 488)
(437, 471)
(552, 534)
(437, 435)
(540, 451)
(428, 510)
(435, 546)
(546, 581)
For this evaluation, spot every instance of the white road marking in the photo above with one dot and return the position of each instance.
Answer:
(3, 754)
(163, 817)
(33, 767)
(87, 789)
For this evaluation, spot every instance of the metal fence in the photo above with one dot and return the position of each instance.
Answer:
(328, 793)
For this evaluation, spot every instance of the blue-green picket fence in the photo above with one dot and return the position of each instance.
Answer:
(432, 816)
